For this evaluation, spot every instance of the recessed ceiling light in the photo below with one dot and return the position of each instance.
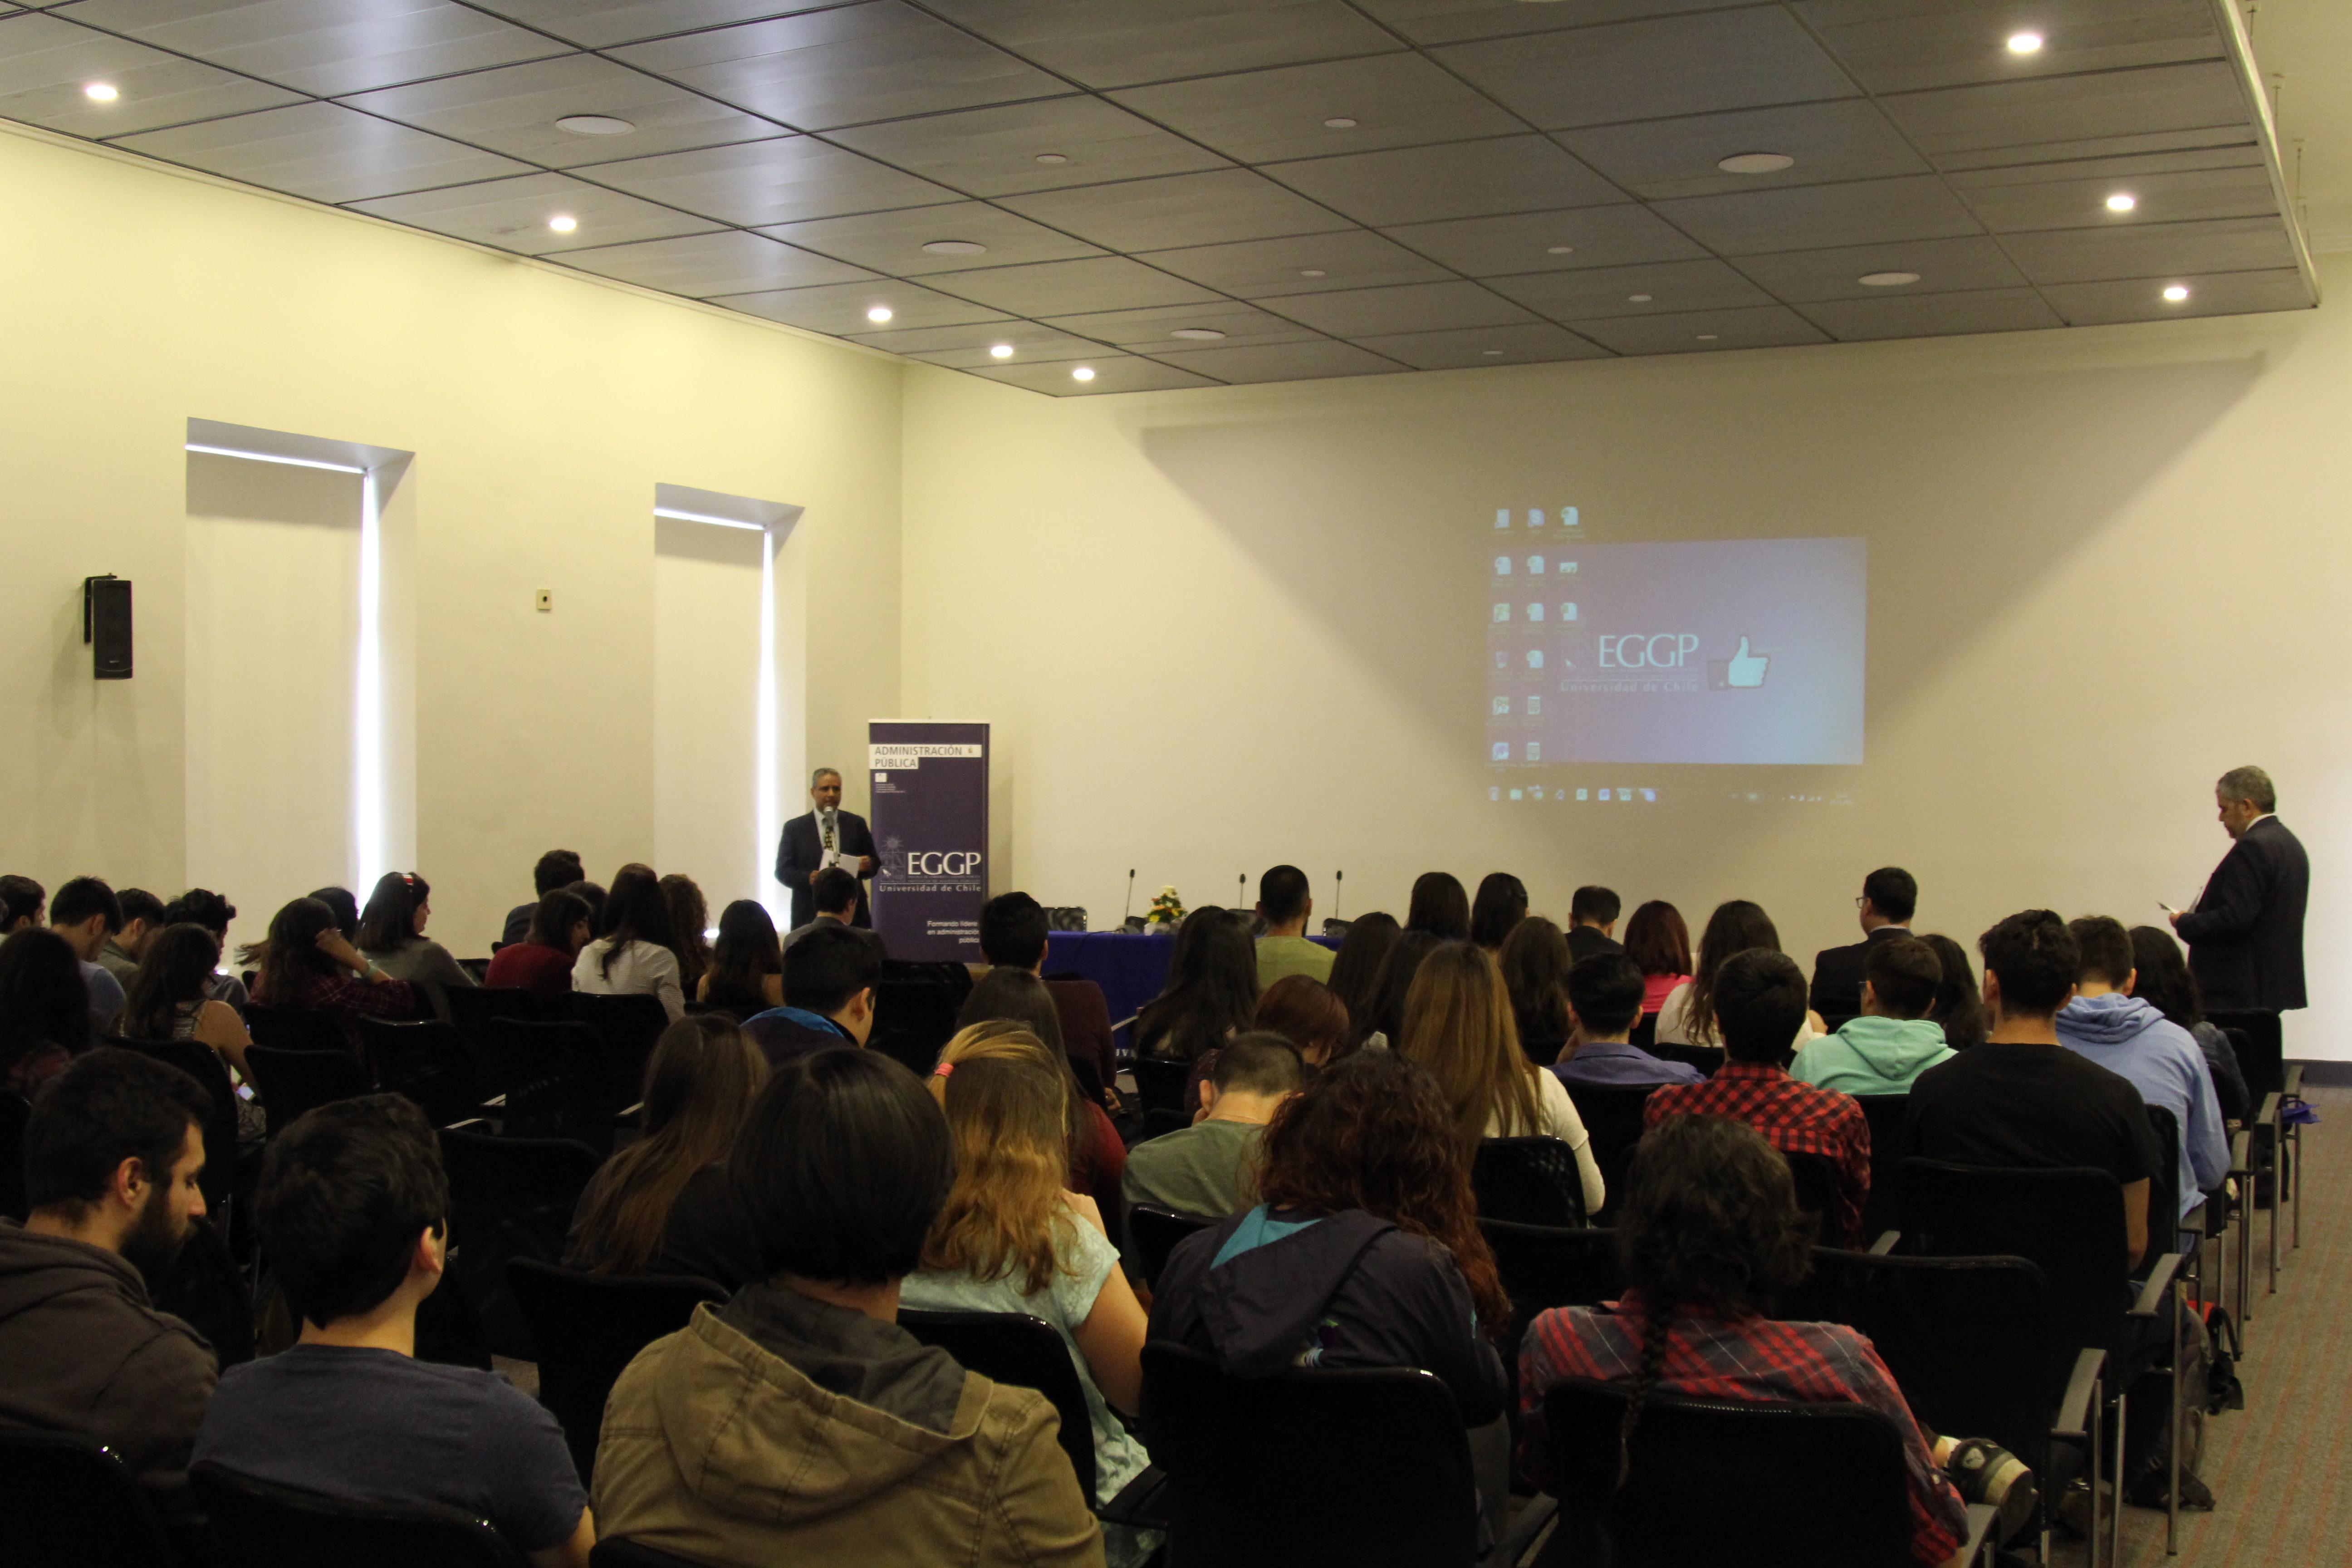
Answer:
(879, 313)
(1638, 299)
(1311, 272)
(563, 223)
(1560, 250)
(1053, 158)
(1339, 122)
(1084, 373)
(2177, 292)
(1000, 351)
(1197, 334)
(594, 125)
(1756, 163)
(955, 248)
(1886, 280)
(100, 92)
(1491, 354)
(1706, 337)
(2024, 43)
(2122, 202)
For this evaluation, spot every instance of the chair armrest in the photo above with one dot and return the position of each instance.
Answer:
(2294, 1080)
(1125, 1022)
(468, 1125)
(2159, 1280)
(2270, 1112)
(1885, 1243)
(1537, 1513)
(496, 1102)
(2075, 1409)
(1981, 1519)
(2241, 1152)
(2195, 1218)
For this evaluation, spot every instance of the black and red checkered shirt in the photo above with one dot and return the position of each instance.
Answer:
(1795, 1118)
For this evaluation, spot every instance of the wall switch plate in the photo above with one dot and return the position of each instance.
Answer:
(546, 600)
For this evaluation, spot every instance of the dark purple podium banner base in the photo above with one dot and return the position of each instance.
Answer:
(929, 785)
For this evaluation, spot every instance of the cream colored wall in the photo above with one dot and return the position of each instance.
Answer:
(1219, 629)
(706, 693)
(542, 408)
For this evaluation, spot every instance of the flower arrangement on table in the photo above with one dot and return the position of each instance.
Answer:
(1167, 909)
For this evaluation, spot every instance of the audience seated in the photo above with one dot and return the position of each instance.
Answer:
(44, 1009)
(1355, 971)
(1284, 948)
(111, 1155)
(1592, 923)
(1686, 1018)
(834, 893)
(1888, 897)
(22, 900)
(663, 1204)
(689, 917)
(635, 950)
(799, 1423)
(346, 908)
(392, 937)
(1305, 1013)
(1206, 1168)
(1014, 999)
(1658, 942)
(829, 980)
(167, 1002)
(1958, 1008)
(1439, 907)
(1014, 1238)
(2165, 982)
(1708, 1233)
(1500, 906)
(1212, 989)
(1013, 935)
(1535, 964)
(86, 914)
(557, 869)
(747, 964)
(2022, 1100)
(142, 917)
(2132, 1039)
(304, 962)
(1457, 1024)
(202, 906)
(1760, 1002)
(352, 1210)
(1604, 994)
(1404, 963)
(596, 897)
(544, 959)
(1892, 1041)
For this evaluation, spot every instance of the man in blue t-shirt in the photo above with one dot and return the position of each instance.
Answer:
(353, 1201)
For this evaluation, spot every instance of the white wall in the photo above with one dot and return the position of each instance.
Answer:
(1219, 629)
(706, 694)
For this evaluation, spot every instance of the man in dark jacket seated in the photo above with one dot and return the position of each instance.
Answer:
(830, 975)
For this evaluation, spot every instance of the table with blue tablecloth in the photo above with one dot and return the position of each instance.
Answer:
(1131, 968)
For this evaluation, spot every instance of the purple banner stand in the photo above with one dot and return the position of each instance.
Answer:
(931, 823)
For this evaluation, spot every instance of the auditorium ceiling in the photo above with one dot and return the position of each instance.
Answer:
(1190, 193)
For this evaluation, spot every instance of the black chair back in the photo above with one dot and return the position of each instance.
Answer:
(262, 1525)
(1706, 1058)
(619, 1551)
(1645, 1033)
(555, 1080)
(69, 1503)
(1530, 1180)
(1890, 1145)
(1366, 1467)
(295, 1028)
(1545, 1267)
(426, 1060)
(1759, 1484)
(12, 1113)
(1155, 1233)
(1611, 1114)
(1022, 1351)
(915, 1008)
(291, 1083)
(471, 1008)
(629, 1027)
(587, 1328)
(509, 1197)
(1817, 1194)
(203, 1063)
(1159, 1085)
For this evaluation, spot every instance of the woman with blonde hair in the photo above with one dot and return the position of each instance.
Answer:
(1014, 1238)
(1458, 1025)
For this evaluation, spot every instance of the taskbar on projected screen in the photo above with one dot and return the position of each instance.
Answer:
(1634, 787)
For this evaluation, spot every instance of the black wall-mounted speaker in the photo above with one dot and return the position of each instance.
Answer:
(106, 626)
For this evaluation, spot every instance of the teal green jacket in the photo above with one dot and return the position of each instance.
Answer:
(1873, 1056)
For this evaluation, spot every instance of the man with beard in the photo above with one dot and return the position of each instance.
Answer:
(112, 1154)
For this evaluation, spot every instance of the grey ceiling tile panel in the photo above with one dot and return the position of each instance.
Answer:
(1456, 21)
(323, 47)
(784, 180)
(1029, 340)
(1553, 241)
(1310, 264)
(514, 110)
(2068, 116)
(321, 151)
(2160, 250)
(2103, 149)
(1211, 208)
(1662, 158)
(1696, 331)
(1151, 331)
(1459, 179)
(2024, 203)
(851, 64)
(1258, 116)
(513, 213)
(1073, 288)
(1649, 69)
(841, 309)
(1122, 45)
(994, 152)
(1944, 266)
(1909, 315)
(1113, 373)
(893, 241)
(1283, 361)
(45, 63)
(1655, 290)
(1470, 347)
(2241, 152)
(1809, 217)
(599, 24)
(1413, 308)
(1906, 47)
(2221, 294)
(728, 262)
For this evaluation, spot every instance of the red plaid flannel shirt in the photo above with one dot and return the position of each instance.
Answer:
(1795, 1118)
(1745, 1357)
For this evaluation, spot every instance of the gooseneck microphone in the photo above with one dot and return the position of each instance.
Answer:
(1130, 909)
(1337, 878)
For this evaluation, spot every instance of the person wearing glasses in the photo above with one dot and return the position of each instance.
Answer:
(1884, 908)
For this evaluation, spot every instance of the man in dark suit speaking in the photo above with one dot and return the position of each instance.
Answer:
(827, 836)
(2246, 935)
(1889, 895)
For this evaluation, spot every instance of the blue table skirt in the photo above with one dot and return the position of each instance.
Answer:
(1131, 969)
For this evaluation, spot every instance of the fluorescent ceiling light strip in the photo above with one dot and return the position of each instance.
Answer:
(274, 458)
(672, 511)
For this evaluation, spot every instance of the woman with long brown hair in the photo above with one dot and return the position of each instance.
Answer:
(689, 915)
(1355, 971)
(1535, 963)
(635, 950)
(662, 1205)
(1658, 942)
(305, 963)
(1686, 1018)
(747, 967)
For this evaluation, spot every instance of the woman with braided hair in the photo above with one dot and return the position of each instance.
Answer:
(1709, 1234)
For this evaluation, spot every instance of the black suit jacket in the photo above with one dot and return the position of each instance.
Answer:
(2246, 935)
(801, 854)
(1837, 977)
(1590, 941)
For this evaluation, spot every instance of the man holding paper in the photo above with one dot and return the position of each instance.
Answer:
(2245, 934)
(826, 837)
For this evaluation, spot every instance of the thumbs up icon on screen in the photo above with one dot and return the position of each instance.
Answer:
(1745, 668)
